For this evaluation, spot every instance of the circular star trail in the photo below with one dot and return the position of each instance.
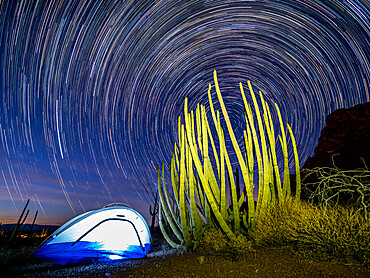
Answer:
(91, 90)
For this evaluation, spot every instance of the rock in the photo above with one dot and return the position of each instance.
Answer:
(347, 133)
(345, 140)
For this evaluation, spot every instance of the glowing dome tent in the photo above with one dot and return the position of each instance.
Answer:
(109, 233)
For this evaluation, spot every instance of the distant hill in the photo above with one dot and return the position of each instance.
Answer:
(27, 227)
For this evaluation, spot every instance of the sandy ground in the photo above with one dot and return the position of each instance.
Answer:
(266, 262)
(47, 269)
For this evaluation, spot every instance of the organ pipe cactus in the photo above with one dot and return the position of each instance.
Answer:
(198, 197)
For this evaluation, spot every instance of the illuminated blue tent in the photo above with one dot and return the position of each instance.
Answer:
(109, 233)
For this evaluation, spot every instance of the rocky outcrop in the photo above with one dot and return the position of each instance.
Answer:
(345, 140)
(347, 136)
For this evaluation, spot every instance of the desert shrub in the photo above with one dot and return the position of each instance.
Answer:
(215, 243)
(14, 255)
(315, 231)
(237, 248)
(327, 186)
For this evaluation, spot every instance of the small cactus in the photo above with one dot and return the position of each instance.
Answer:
(154, 211)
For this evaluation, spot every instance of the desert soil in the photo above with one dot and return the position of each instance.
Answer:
(265, 262)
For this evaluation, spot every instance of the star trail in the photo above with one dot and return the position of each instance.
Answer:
(91, 90)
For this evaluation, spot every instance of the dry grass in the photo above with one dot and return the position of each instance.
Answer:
(314, 231)
(214, 242)
(18, 252)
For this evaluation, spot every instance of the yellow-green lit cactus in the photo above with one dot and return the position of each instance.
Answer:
(198, 198)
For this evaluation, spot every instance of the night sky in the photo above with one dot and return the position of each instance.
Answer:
(90, 91)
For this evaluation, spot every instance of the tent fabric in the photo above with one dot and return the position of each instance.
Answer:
(106, 234)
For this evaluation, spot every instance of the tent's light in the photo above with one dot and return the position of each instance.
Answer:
(114, 257)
